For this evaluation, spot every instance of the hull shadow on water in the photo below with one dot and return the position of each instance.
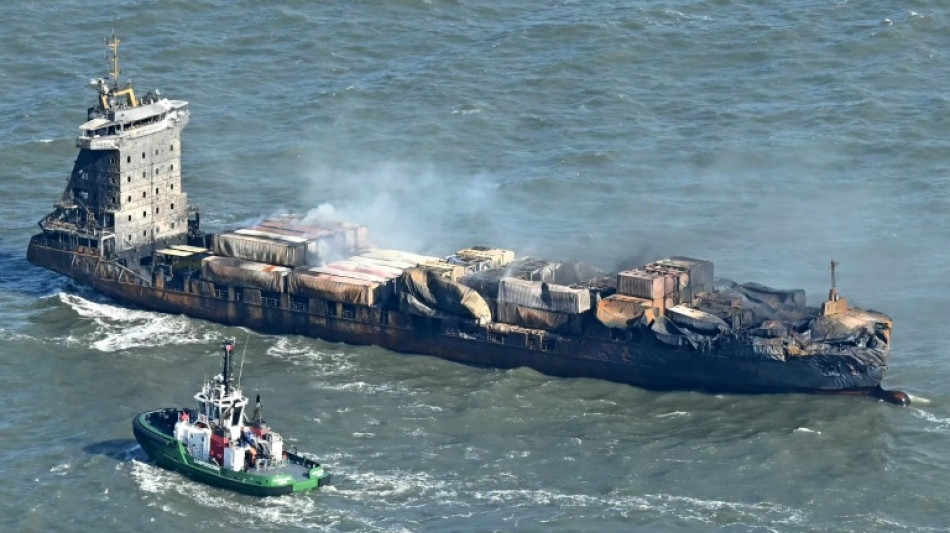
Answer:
(122, 450)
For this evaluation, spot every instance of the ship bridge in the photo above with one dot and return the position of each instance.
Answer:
(123, 198)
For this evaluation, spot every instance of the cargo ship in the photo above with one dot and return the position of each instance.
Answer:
(124, 227)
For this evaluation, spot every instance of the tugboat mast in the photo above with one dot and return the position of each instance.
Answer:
(226, 374)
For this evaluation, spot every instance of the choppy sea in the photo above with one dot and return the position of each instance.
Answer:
(768, 138)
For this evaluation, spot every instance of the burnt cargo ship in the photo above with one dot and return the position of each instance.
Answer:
(123, 227)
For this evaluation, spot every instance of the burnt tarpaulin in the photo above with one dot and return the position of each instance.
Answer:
(336, 288)
(439, 293)
(697, 320)
(543, 295)
(289, 253)
(240, 273)
(539, 318)
(485, 282)
(619, 311)
(668, 332)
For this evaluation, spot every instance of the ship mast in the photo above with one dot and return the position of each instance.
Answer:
(113, 43)
(226, 374)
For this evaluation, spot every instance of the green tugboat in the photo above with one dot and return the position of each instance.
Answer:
(219, 445)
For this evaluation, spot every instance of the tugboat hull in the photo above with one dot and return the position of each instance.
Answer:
(154, 432)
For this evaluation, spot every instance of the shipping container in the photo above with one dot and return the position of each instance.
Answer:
(344, 238)
(363, 260)
(329, 270)
(398, 255)
(381, 271)
(260, 249)
(618, 311)
(509, 313)
(192, 249)
(497, 256)
(306, 283)
(701, 273)
(446, 269)
(470, 265)
(643, 284)
(239, 273)
(542, 295)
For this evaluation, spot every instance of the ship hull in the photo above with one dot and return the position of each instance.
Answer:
(648, 363)
(152, 430)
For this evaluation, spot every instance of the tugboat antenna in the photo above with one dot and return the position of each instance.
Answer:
(243, 353)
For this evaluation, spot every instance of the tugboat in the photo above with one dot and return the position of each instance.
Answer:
(219, 445)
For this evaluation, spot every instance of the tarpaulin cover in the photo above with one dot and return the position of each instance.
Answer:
(260, 249)
(399, 255)
(668, 332)
(866, 329)
(538, 318)
(439, 293)
(380, 271)
(496, 256)
(542, 295)
(528, 268)
(336, 288)
(240, 273)
(697, 320)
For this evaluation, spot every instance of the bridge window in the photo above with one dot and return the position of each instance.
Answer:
(128, 178)
(156, 190)
(144, 214)
(143, 155)
(173, 206)
(130, 218)
(171, 147)
(156, 210)
(143, 194)
(128, 159)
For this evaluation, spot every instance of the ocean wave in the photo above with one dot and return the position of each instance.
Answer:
(121, 328)
(939, 423)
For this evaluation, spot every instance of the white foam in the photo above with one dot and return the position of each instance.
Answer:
(674, 413)
(918, 399)
(806, 430)
(121, 328)
(941, 424)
